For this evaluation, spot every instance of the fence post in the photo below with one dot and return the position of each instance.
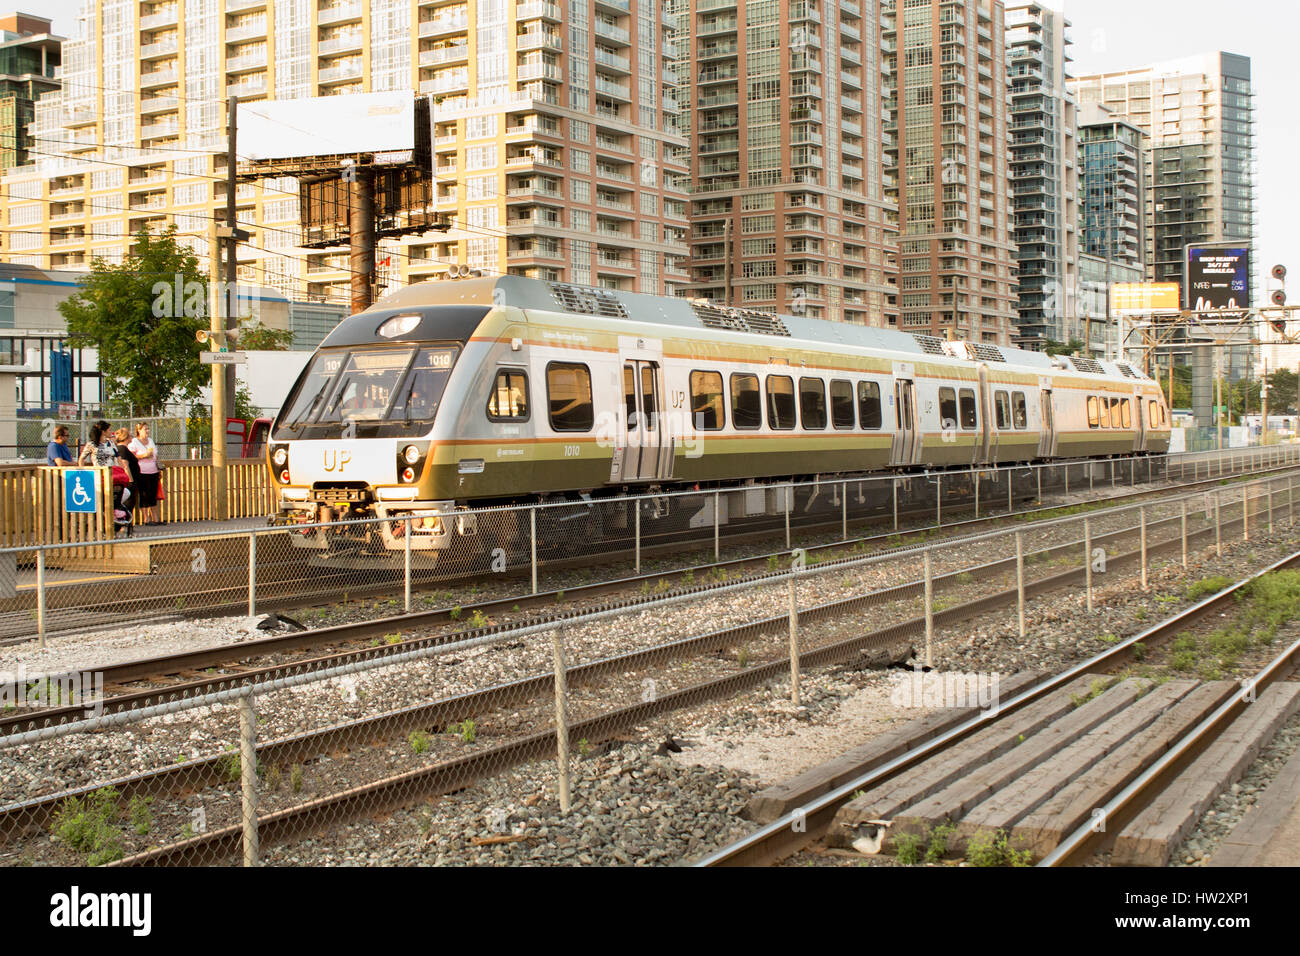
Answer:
(406, 566)
(40, 596)
(929, 610)
(1184, 534)
(1038, 478)
(532, 537)
(1087, 559)
(248, 777)
(1020, 580)
(717, 520)
(894, 482)
(1290, 500)
(561, 717)
(794, 641)
(938, 501)
(1067, 478)
(1268, 491)
(789, 497)
(252, 573)
(844, 510)
(1245, 512)
(977, 494)
(1142, 520)
(1218, 523)
(637, 540)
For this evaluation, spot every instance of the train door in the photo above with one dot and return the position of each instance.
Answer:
(905, 432)
(1047, 436)
(1139, 412)
(646, 451)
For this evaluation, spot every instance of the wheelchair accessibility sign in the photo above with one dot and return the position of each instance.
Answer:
(79, 491)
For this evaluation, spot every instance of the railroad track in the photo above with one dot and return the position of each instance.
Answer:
(285, 583)
(456, 773)
(357, 639)
(926, 793)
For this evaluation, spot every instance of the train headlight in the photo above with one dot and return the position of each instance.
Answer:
(280, 456)
(411, 454)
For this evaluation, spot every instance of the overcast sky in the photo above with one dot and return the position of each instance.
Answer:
(1122, 34)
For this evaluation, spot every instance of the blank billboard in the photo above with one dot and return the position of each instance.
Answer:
(326, 126)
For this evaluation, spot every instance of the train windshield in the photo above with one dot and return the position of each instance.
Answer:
(379, 393)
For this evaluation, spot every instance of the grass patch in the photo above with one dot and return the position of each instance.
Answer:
(909, 848)
(994, 849)
(1207, 586)
(419, 742)
(86, 826)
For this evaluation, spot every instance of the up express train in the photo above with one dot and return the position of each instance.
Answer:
(451, 395)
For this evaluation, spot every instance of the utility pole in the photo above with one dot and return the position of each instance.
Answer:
(361, 231)
(1263, 406)
(224, 321)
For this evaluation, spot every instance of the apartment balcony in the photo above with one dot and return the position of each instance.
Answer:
(444, 26)
(849, 31)
(616, 90)
(804, 11)
(334, 13)
(711, 27)
(545, 40)
(528, 159)
(538, 10)
(534, 220)
(342, 71)
(252, 86)
(156, 130)
(250, 31)
(154, 51)
(154, 21)
(600, 27)
(533, 249)
(234, 5)
(247, 62)
(347, 43)
(538, 71)
(157, 78)
(150, 105)
(532, 193)
(616, 7)
(713, 51)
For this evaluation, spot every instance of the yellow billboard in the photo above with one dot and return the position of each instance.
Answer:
(1145, 298)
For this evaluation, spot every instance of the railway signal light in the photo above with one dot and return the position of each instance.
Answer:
(1278, 298)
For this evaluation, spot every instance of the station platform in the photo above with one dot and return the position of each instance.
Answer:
(134, 555)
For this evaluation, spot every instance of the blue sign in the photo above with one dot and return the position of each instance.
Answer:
(79, 491)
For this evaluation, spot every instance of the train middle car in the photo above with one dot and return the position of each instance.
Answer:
(452, 395)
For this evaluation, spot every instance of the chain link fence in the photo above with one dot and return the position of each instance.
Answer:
(341, 571)
(219, 776)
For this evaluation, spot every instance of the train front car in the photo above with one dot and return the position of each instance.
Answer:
(356, 437)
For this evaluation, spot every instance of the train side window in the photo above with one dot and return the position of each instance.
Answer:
(1105, 412)
(947, 408)
(842, 415)
(1164, 416)
(1153, 416)
(568, 392)
(780, 402)
(706, 401)
(746, 402)
(1019, 410)
(1126, 413)
(812, 403)
(1094, 417)
(509, 399)
(869, 405)
(1115, 417)
(1002, 409)
(969, 419)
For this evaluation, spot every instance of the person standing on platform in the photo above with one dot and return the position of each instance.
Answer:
(57, 454)
(146, 455)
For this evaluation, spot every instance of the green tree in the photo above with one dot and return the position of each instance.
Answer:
(1073, 347)
(142, 315)
(256, 337)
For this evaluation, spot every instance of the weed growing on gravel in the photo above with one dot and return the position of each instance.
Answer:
(1184, 654)
(559, 597)
(584, 747)
(1139, 651)
(478, 619)
(86, 825)
(773, 563)
(907, 848)
(187, 832)
(965, 578)
(233, 769)
(688, 577)
(465, 730)
(663, 585)
(1274, 600)
(1108, 638)
(141, 818)
(1207, 586)
(393, 638)
(938, 846)
(645, 588)
(295, 778)
(419, 741)
(993, 849)
(455, 613)
(742, 655)
(273, 777)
